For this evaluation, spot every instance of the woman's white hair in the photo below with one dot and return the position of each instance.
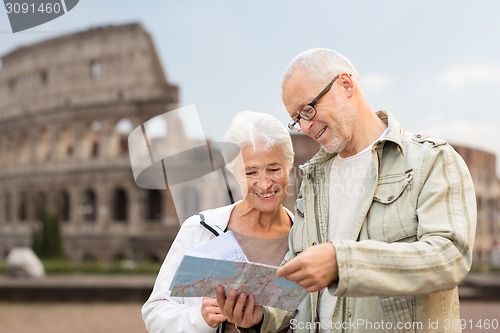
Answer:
(256, 128)
(321, 64)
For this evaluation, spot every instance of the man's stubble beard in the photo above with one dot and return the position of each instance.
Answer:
(342, 134)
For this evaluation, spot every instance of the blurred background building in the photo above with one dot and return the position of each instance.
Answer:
(67, 106)
(482, 166)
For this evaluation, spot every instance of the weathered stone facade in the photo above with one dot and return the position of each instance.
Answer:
(66, 107)
(482, 166)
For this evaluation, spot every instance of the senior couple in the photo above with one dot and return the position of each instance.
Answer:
(382, 232)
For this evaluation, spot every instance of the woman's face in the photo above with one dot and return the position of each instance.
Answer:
(263, 176)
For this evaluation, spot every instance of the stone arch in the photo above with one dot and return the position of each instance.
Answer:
(119, 256)
(491, 214)
(153, 257)
(7, 206)
(119, 136)
(3, 150)
(44, 76)
(95, 68)
(120, 205)
(66, 142)
(91, 140)
(12, 83)
(89, 205)
(43, 146)
(89, 256)
(40, 204)
(64, 206)
(3, 218)
(24, 149)
(154, 205)
(11, 151)
(22, 214)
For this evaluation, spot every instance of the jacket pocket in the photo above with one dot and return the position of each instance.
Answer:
(392, 216)
(400, 312)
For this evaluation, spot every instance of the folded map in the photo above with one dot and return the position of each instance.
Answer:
(199, 277)
(221, 262)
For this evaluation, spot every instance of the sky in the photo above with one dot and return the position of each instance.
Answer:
(435, 65)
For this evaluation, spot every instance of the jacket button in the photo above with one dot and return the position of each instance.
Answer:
(390, 198)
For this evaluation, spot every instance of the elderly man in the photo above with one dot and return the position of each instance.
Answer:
(385, 219)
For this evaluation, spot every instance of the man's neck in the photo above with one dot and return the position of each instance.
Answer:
(368, 130)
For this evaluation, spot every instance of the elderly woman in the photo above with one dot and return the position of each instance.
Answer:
(259, 222)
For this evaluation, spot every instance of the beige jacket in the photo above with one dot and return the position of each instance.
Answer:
(410, 247)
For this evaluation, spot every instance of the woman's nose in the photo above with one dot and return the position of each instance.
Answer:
(264, 182)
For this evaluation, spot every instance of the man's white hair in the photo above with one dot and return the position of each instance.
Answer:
(321, 64)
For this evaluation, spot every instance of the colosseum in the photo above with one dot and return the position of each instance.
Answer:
(67, 107)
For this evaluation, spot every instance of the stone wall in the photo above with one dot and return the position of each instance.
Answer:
(482, 166)
(66, 108)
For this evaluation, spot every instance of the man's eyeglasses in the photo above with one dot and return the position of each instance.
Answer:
(309, 111)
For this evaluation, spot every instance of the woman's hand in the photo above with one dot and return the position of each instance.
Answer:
(211, 312)
(239, 310)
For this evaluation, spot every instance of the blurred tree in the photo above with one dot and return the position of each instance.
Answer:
(47, 241)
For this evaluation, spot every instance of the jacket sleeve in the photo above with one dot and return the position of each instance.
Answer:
(164, 314)
(274, 320)
(438, 258)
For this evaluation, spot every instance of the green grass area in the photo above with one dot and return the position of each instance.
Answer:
(53, 267)
(484, 268)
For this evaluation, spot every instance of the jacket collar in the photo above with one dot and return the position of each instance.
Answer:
(394, 134)
(395, 131)
(219, 217)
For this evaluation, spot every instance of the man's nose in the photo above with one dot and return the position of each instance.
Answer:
(305, 125)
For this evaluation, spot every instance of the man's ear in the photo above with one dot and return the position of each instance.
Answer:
(347, 83)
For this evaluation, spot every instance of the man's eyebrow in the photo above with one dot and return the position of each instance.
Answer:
(296, 114)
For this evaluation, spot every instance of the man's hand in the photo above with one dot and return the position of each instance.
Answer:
(211, 312)
(313, 269)
(239, 310)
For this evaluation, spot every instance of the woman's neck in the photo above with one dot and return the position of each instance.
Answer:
(249, 221)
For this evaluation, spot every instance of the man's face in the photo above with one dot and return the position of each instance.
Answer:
(333, 124)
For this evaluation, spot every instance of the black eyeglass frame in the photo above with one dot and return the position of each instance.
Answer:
(294, 124)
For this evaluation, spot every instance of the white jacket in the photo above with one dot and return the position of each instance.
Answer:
(164, 314)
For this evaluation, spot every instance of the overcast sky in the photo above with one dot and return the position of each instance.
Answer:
(434, 64)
